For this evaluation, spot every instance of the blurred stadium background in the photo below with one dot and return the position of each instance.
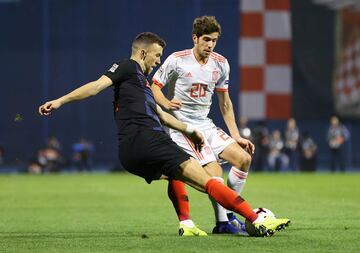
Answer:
(297, 59)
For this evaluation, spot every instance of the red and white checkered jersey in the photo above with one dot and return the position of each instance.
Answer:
(193, 83)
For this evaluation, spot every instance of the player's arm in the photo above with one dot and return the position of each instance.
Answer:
(170, 121)
(83, 92)
(173, 104)
(163, 76)
(227, 111)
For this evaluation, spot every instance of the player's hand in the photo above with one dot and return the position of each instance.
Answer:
(247, 145)
(198, 139)
(174, 104)
(49, 106)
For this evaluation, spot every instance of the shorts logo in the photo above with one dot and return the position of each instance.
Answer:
(114, 67)
(215, 75)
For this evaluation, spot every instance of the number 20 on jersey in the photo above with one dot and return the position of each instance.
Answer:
(198, 90)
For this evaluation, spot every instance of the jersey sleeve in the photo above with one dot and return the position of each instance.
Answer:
(223, 82)
(117, 72)
(166, 72)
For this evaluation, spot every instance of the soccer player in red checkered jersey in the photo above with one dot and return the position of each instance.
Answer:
(193, 75)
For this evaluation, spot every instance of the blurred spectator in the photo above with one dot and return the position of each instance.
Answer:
(308, 158)
(54, 143)
(291, 144)
(244, 130)
(261, 142)
(336, 137)
(82, 155)
(277, 159)
(48, 158)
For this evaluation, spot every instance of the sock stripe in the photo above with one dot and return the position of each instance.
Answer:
(239, 171)
(239, 174)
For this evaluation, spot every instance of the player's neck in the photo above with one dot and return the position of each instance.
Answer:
(139, 61)
(200, 59)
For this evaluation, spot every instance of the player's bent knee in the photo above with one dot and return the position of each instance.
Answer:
(247, 159)
(244, 161)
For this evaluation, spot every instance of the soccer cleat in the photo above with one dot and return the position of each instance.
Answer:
(238, 224)
(225, 228)
(266, 228)
(285, 223)
(188, 231)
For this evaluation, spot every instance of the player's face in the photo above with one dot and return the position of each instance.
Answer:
(205, 44)
(152, 59)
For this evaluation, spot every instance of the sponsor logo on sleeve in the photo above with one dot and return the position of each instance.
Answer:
(113, 67)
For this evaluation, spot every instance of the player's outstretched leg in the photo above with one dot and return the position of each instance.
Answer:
(256, 225)
(192, 173)
(222, 226)
(178, 196)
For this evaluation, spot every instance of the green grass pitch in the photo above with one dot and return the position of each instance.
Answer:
(121, 213)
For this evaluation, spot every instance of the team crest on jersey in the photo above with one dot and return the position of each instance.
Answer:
(215, 75)
(113, 67)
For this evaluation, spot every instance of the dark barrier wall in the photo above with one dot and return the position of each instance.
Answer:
(50, 47)
(313, 54)
(313, 33)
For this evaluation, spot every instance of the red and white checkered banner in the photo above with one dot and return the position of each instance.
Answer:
(347, 78)
(265, 59)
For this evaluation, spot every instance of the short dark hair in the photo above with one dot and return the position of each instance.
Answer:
(206, 25)
(148, 38)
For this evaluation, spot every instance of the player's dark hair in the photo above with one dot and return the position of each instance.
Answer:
(148, 38)
(205, 25)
